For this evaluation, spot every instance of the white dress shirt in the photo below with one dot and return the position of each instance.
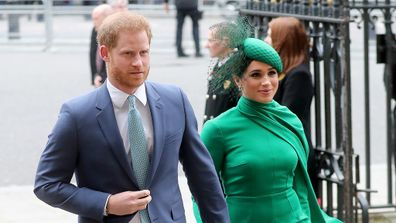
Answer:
(121, 106)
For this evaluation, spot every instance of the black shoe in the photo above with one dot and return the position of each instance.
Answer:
(198, 55)
(182, 54)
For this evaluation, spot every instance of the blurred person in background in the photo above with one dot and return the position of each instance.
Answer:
(98, 66)
(289, 38)
(186, 8)
(222, 41)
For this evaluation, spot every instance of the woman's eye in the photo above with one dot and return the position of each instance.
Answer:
(255, 74)
(272, 73)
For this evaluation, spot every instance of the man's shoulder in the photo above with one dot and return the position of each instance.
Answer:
(162, 87)
(83, 99)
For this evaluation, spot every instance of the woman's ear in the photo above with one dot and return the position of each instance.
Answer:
(104, 53)
(238, 83)
(237, 80)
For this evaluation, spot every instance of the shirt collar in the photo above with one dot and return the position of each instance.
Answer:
(222, 61)
(119, 97)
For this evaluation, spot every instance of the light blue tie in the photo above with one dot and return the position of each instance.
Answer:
(138, 149)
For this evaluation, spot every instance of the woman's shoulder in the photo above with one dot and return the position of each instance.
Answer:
(223, 126)
(299, 75)
(225, 119)
(302, 69)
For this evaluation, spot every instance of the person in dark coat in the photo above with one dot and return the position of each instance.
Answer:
(98, 67)
(220, 46)
(186, 8)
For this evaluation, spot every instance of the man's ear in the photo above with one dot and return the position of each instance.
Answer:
(225, 41)
(104, 53)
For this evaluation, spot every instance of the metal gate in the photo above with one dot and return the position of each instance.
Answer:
(328, 23)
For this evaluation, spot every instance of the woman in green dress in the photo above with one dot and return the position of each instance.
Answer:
(259, 147)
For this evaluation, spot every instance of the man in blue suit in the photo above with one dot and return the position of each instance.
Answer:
(91, 140)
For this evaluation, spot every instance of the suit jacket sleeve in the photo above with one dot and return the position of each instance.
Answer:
(56, 168)
(200, 172)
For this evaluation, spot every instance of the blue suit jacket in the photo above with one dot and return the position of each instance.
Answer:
(86, 141)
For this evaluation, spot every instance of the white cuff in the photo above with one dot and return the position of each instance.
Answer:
(105, 207)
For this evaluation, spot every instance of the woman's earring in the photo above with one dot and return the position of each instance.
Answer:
(240, 87)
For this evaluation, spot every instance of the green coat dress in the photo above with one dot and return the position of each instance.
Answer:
(260, 153)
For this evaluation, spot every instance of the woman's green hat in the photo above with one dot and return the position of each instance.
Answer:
(256, 49)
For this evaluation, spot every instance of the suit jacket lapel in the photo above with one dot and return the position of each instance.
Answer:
(157, 114)
(108, 125)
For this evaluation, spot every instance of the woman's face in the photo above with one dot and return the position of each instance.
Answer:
(259, 82)
(268, 39)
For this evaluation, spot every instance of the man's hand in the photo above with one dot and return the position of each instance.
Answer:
(128, 202)
(97, 81)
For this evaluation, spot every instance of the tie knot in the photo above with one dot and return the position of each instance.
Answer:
(132, 102)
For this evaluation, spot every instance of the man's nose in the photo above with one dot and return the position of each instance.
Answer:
(137, 61)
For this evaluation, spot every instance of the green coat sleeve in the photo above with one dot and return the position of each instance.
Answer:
(211, 137)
